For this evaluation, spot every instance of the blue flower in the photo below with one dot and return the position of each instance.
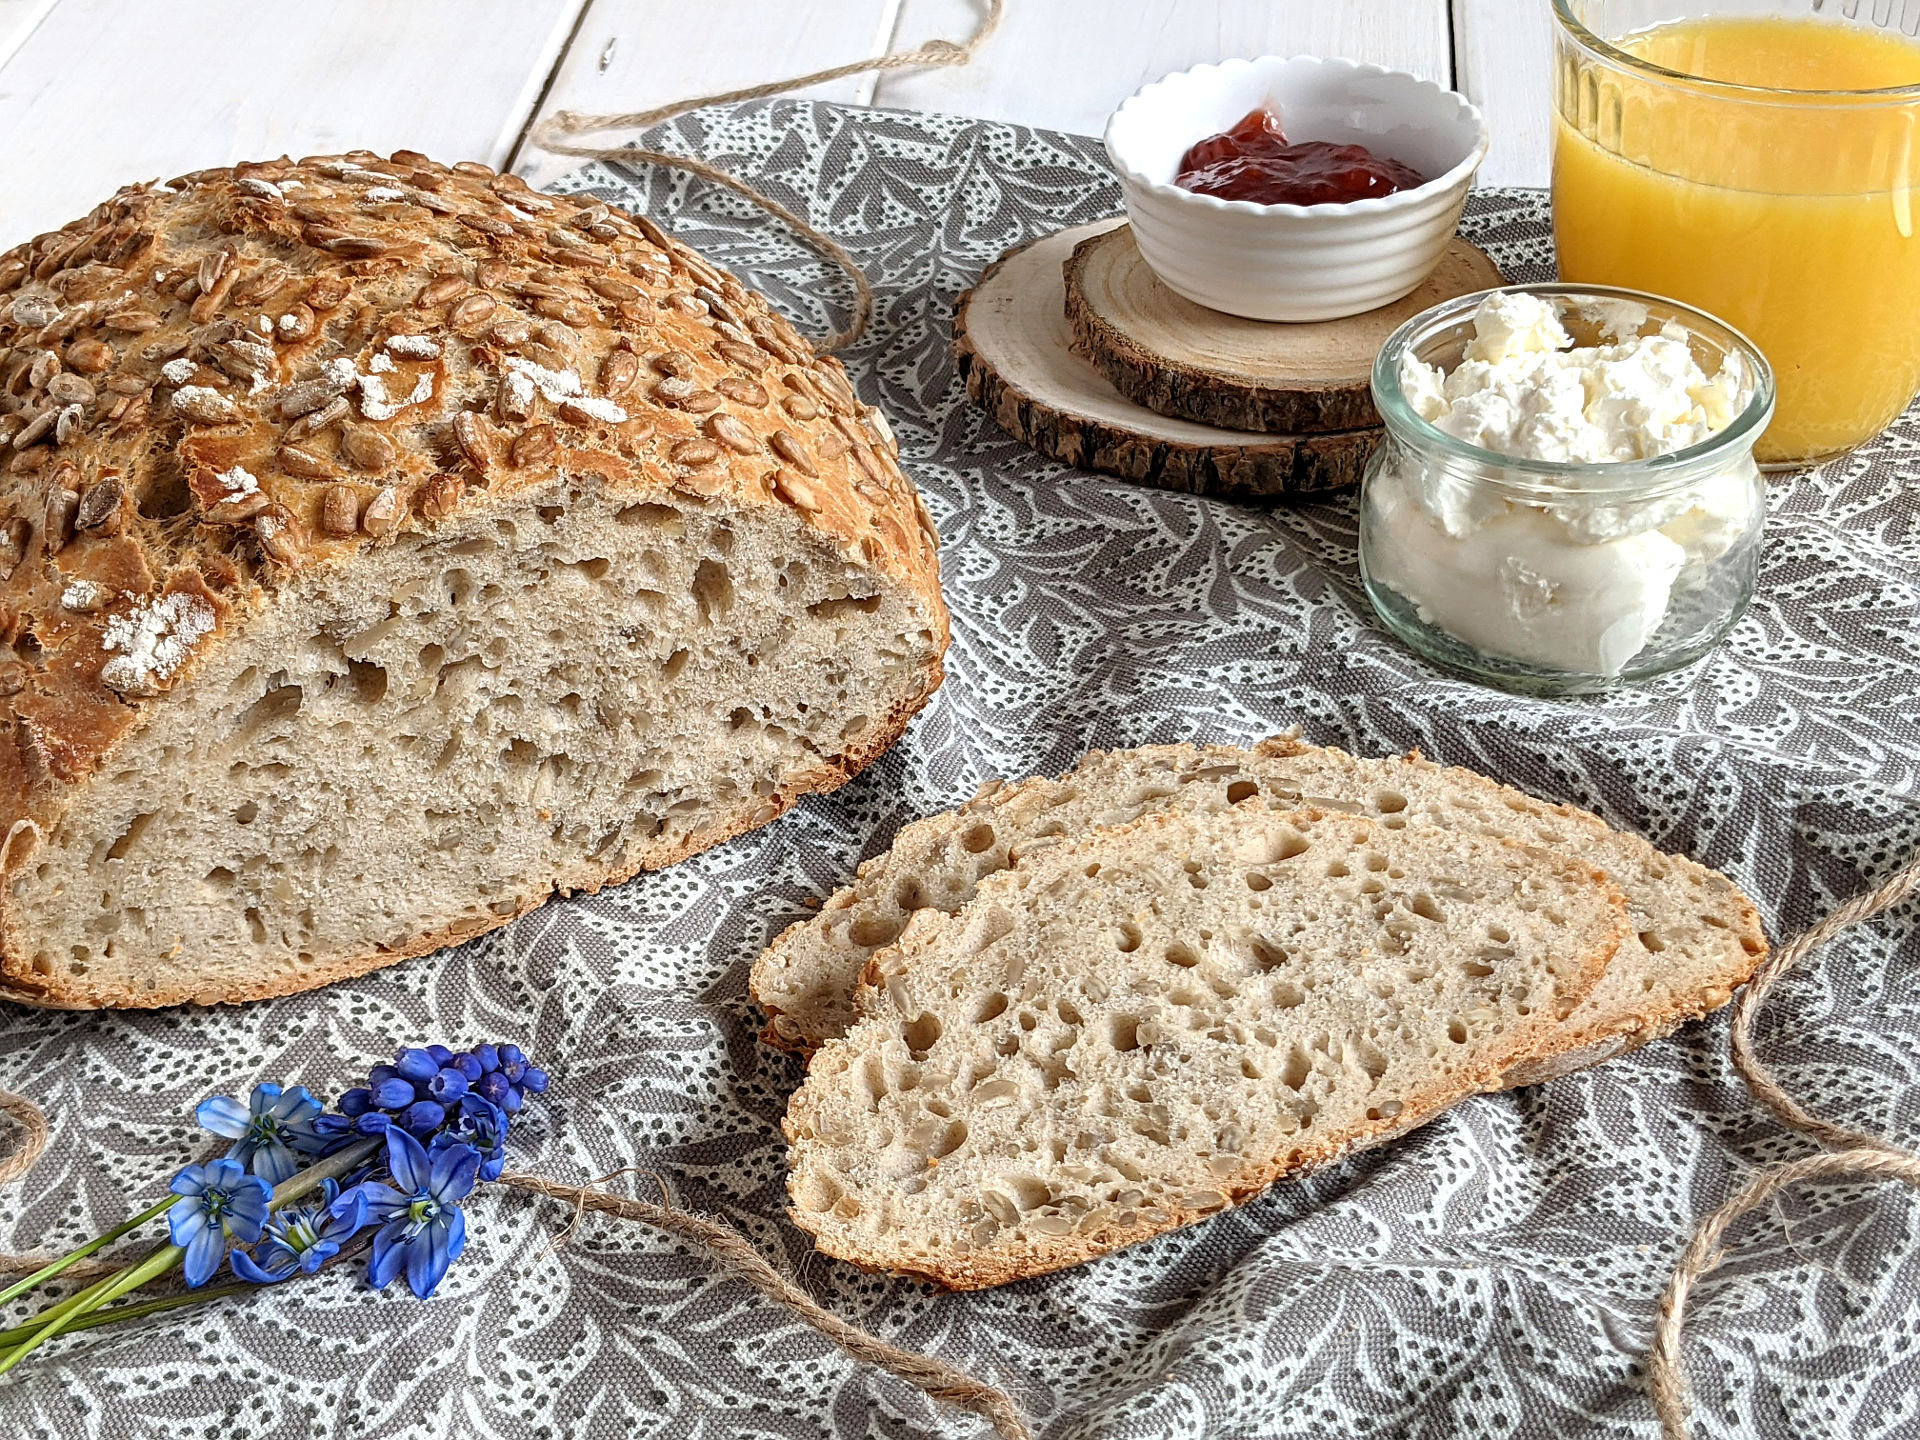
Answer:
(480, 1124)
(219, 1203)
(270, 1133)
(299, 1239)
(421, 1225)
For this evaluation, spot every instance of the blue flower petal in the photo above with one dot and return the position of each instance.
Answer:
(296, 1103)
(224, 1174)
(383, 1202)
(186, 1219)
(273, 1163)
(204, 1255)
(453, 1172)
(223, 1115)
(347, 1213)
(407, 1159)
(247, 1208)
(248, 1269)
(389, 1254)
(428, 1257)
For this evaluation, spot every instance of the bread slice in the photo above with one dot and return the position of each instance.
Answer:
(409, 548)
(1137, 1027)
(1696, 937)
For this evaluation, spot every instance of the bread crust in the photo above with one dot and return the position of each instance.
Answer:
(976, 1273)
(210, 385)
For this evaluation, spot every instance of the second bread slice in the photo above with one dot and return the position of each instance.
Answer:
(1135, 1028)
(1694, 938)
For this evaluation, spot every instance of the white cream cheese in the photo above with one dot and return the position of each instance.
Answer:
(1564, 582)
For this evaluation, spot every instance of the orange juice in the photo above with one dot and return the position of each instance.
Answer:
(1785, 207)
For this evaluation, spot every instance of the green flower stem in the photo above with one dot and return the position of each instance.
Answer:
(341, 1162)
(138, 1310)
(47, 1272)
(107, 1291)
(69, 1313)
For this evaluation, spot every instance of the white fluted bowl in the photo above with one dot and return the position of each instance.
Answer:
(1296, 262)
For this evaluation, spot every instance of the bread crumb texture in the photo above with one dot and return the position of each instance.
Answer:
(385, 546)
(1130, 1030)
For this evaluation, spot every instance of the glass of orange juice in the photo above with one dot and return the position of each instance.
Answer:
(1755, 159)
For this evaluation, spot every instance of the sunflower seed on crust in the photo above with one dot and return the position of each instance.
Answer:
(366, 449)
(618, 372)
(340, 511)
(470, 434)
(534, 447)
(795, 491)
(789, 448)
(383, 513)
(279, 536)
(440, 496)
(731, 433)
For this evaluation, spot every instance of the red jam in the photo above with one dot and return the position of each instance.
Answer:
(1253, 161)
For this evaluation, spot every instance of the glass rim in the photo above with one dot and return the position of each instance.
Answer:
(1601, 49)
(1639, 478)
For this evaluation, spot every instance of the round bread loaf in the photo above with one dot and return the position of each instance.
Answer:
(386, 546)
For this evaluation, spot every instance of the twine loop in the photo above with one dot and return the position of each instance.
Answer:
(1848, 1153)
(550, 135)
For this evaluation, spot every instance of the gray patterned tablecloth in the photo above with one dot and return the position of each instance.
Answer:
(1493, 1275)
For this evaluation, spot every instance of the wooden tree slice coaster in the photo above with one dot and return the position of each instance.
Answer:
(1015, 352)
(1163, 351)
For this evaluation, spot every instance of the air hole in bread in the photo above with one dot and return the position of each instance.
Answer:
(1241, 790)
(1295, 1069)
(129, 837)
(844, 607)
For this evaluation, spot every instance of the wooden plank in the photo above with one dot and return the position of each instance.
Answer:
(18, 20)
(634, 55)
(102, 92)
(1065, 64)
(1505, 54)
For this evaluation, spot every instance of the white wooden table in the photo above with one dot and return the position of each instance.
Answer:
(94, 93)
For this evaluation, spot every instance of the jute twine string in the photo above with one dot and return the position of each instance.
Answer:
(935, 54)
(732, 1250)
(1851, 1154)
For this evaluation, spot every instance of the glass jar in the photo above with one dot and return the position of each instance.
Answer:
(1561, 578)
(1777, 194)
